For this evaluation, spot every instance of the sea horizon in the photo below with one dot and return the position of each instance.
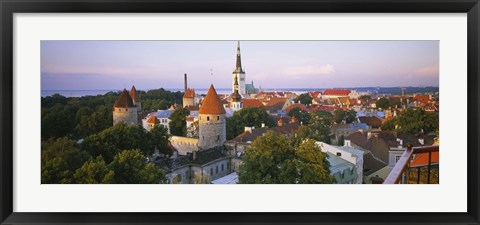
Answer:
(94, 92)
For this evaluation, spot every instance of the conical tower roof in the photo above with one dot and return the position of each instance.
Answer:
(124, 101)
(211, 103)
(134, 95)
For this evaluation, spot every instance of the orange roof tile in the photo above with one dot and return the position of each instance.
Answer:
(124, 101)
(296, 105)
(190, 93)
(211, 104)
(153, 119)
(336, 92)
(134, 94)
(422, 159)
(275, 100)
(251, 102)
(421, 98)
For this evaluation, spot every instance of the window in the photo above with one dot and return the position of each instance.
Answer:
(211, 171)
(222, 167)
(216, 170)
(126, 109)
(339, 154)
(218, 118)
(397, 157)
(208, 118)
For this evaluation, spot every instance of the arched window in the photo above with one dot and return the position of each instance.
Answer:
(218, 118)
(208, 118)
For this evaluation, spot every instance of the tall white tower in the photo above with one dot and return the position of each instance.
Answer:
(239, 74)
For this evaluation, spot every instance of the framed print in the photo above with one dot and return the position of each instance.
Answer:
(265, 112)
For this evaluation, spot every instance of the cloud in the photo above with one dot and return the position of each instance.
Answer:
(310, 70)
(432, 70)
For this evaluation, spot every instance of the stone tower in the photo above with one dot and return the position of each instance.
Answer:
(136, 98)
(212, 121)
(238, 74)
(236, 103)
(124, 110)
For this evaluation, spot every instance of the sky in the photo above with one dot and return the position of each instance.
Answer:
(114, 65)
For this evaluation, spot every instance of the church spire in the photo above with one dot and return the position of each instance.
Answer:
(236, 97)
(238, 66)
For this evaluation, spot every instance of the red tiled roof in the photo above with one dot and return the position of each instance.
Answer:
(190, 119)
(296, 105)
(124, 101)
(190, 93)
(421, 98)
(153, 119)
(336, 92)
(275, 101)
(251, 102)
(211, 104)
(134, 94)
(422, 159)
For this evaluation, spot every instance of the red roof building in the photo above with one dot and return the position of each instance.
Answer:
(124, 101)
(250, 102)
(190, 93)
(211, 104)
(331, 92)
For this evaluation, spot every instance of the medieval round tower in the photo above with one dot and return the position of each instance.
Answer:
(212, 121)
(124, 110)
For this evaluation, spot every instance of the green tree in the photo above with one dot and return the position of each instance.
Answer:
(178, 123)
(350, 116)
(417, 120)
(94, 171)
(268, 161)
(321, 117)
(112, 140)
(60, 158)
(339, 115)
(272, 159)
(312, 164)
(301, 115)
(159, 138)
(130, 167)
(365, 97)
(304, 98)
(389, 124)
(247, 117)
(383, 103)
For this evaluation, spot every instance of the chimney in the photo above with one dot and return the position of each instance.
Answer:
(347, 143)
(421, 141)
(185, 83)
(400, 141)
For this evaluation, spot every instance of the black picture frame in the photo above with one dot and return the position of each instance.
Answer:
(9, 7)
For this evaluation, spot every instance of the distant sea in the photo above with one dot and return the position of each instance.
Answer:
(80, 93)
(361, 90)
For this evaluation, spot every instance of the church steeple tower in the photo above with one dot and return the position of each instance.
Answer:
(236, 103)
(238, 65)
(238, 73)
